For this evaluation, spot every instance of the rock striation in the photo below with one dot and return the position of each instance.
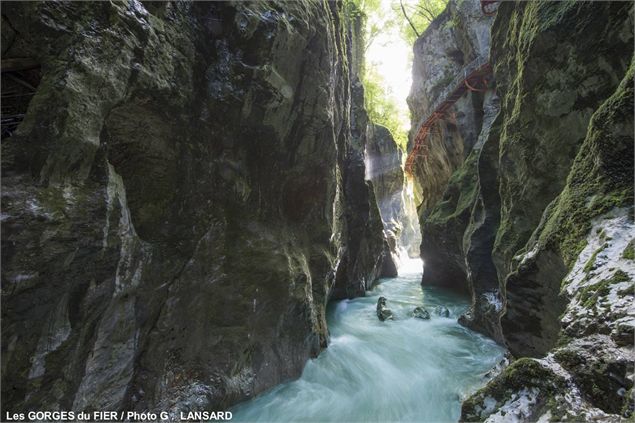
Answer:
(385, 171)
(185, 193)
(526, 200)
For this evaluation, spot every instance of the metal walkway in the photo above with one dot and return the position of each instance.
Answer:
(473, 77)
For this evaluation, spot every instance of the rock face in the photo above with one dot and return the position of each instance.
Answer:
(442, 311)
(456, 38)
(527, 201)
(421, 313)
(364, 252)
(385, 171)
(383, 312)
(185, 192)
(411, 232)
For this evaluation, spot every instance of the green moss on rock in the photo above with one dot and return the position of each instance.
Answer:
(590, 264)
(590, 294)
(600, 179)
(460, 194)
(601, 373)
(629, 404)
(524, 373)
(629, 251)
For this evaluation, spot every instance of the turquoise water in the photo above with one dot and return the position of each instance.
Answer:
(402, 370)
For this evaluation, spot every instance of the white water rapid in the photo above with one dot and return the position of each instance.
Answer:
(406, 369)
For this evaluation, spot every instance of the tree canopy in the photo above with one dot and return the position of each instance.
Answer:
(417, 15)
(406, 19)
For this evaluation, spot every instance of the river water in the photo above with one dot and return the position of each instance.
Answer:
(402, 370)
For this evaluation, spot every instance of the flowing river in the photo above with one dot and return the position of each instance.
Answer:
(407, 369)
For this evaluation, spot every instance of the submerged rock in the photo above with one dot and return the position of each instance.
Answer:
(383, 312)
(421, 313)
(442, 311)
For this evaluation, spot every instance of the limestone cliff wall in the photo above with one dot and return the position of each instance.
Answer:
(385, 171)
(384, 168)
(543, 193)
(456, 38)
(183, 196)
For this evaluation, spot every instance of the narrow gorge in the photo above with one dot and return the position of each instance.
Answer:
(204, 211)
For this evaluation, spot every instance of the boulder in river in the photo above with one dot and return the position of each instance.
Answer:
(442, 311)
(383, 312)
(421, 313)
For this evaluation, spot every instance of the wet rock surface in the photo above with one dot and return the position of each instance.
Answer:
(383, 312)
(183, 196)
(385, 172)
(421, 313)
(384, 169)
(531, 214)
(445, 180)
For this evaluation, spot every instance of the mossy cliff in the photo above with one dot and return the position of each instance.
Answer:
(536, 221)
(183, 196)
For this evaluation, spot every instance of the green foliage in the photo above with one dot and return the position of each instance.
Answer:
(418, 14)
(629, 251)
(380, 106)
(379, 102)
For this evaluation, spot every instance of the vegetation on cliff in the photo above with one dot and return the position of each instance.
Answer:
(536, 219)
(389, 29)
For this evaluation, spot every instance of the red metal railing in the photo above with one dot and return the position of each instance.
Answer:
(472, 75)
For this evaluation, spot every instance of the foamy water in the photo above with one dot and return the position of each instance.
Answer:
(402, 370)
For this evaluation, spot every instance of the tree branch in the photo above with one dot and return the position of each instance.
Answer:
(426, 13)
(403, 10)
